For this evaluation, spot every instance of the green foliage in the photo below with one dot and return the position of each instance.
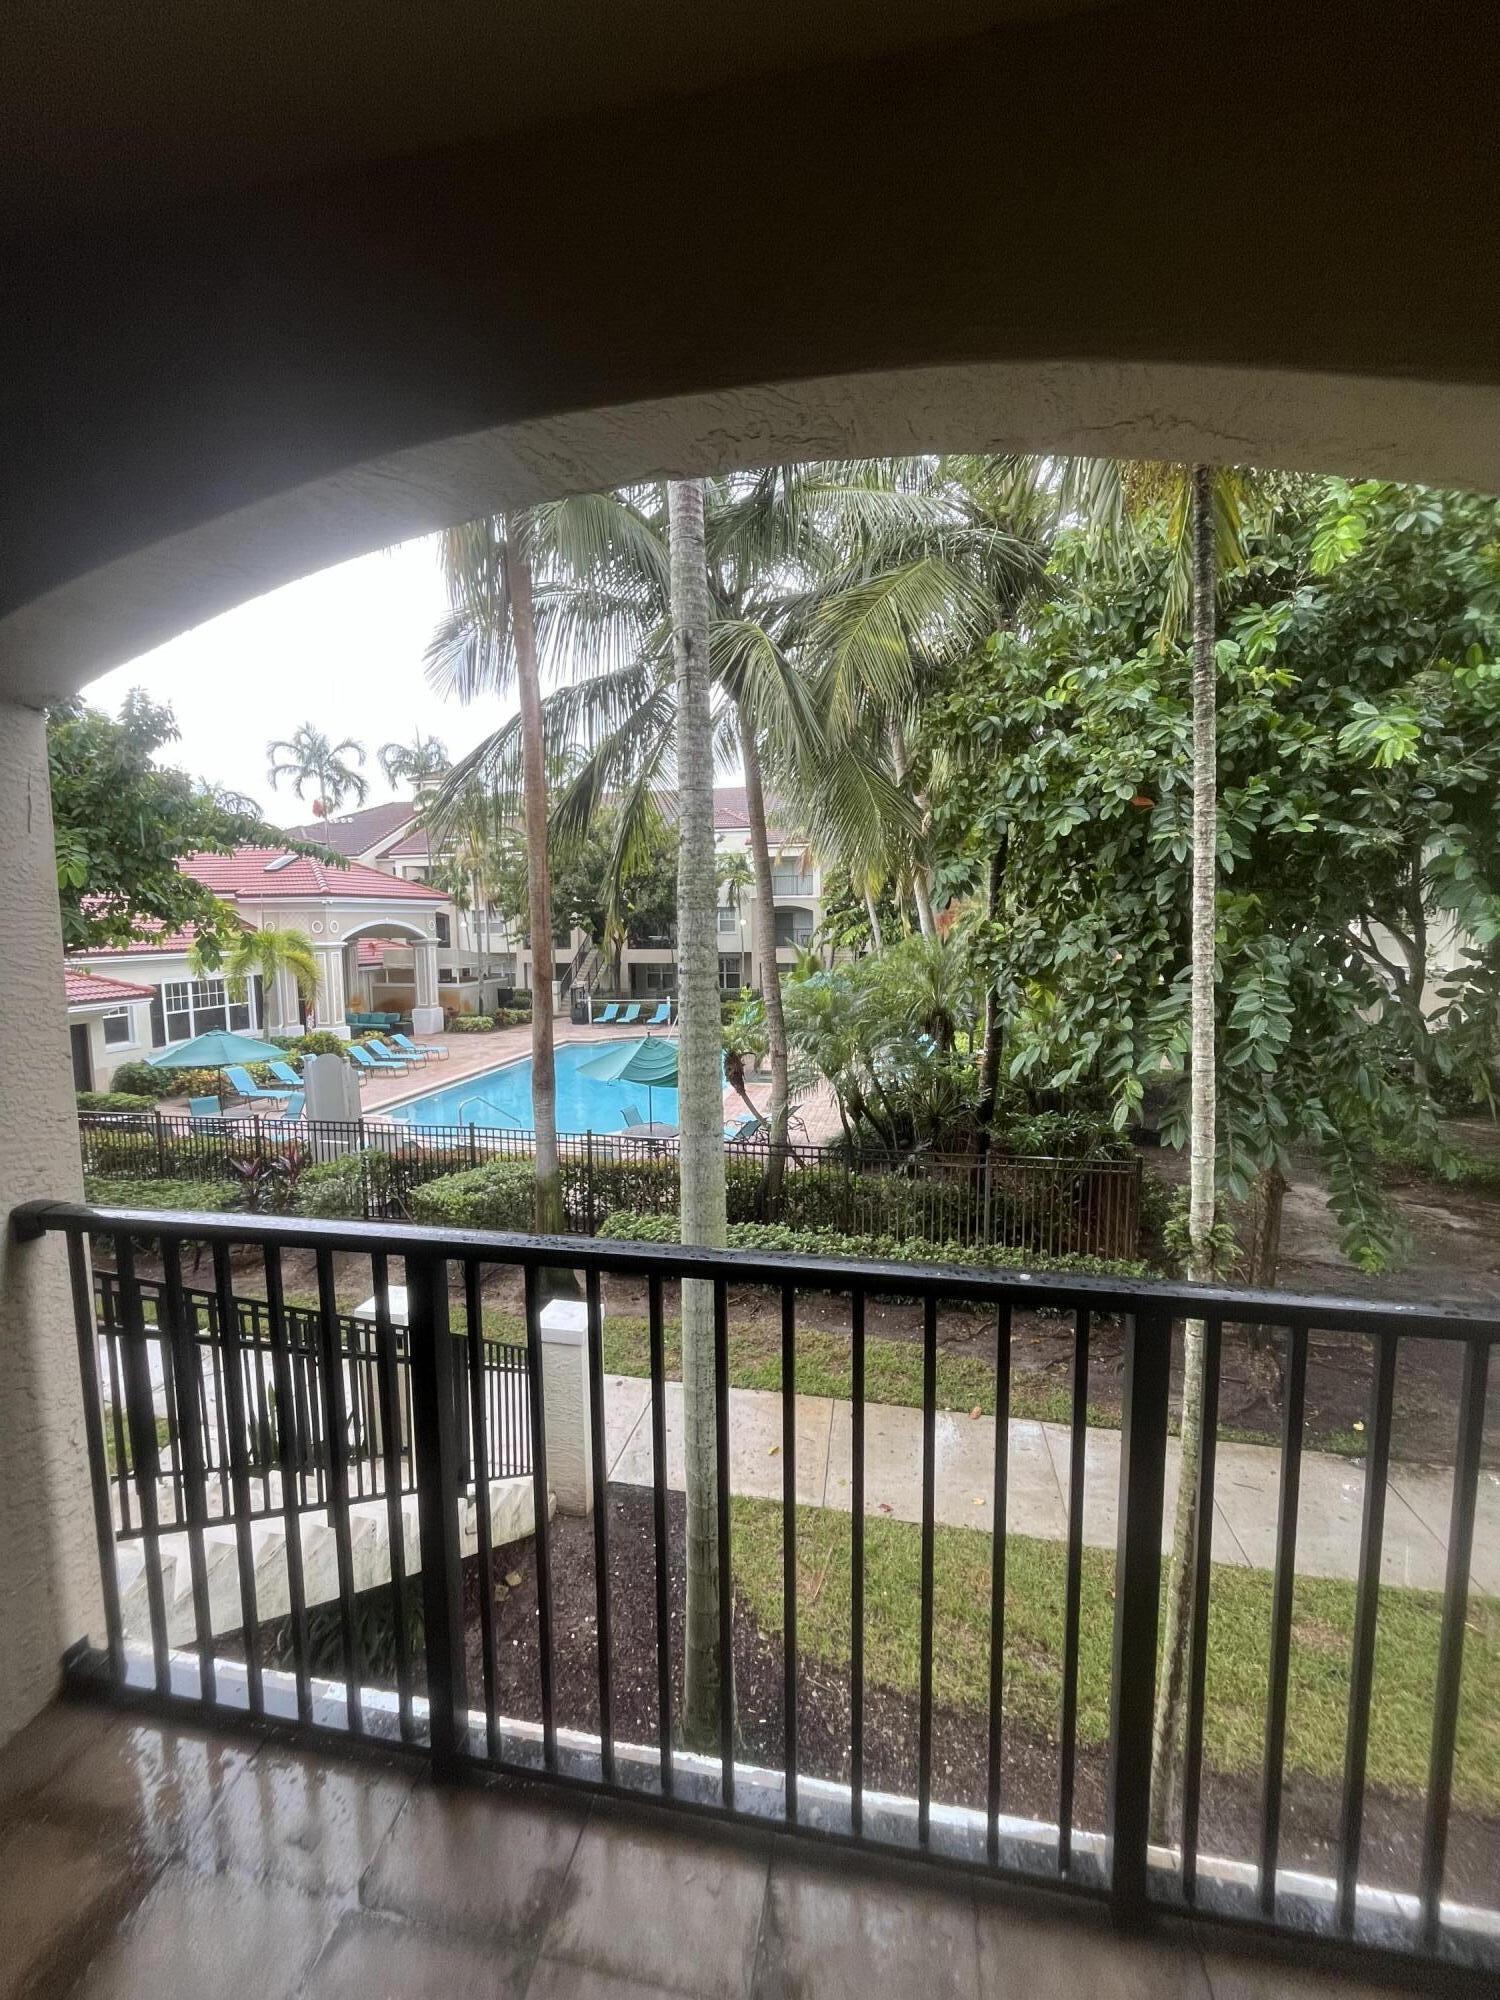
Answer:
(338, 1190)
(511, 1017)
(473, 1024)
(320, 1042)
(499, 1195)
(1359, 764)
(125, 1191)
(114, 1100)
(122, 822)
(626, 1227)
(139, 1079)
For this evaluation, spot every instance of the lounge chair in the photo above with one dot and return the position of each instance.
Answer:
(609, 1016)
(366, 1059)
(425, 1051)
(662, 1017)
(743, 1127)
(379, 1050)
(284, 1073)
(246, 1086)
(631, 1015)
(204, 1107)
(632, 1118)
(294, 1104)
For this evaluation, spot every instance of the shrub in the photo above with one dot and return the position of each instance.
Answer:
(510, 1017)
(321, 1042)
(115, 1100)
(473, 1024)
(624, 1227)
(139, 1079)
(124, 1191)
(499, 1195)
(338, 1189)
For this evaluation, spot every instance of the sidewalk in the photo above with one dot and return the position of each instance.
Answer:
(1245, 1500)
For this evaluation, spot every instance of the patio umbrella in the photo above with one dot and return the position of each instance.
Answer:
(651, 1063)
(214, 1050)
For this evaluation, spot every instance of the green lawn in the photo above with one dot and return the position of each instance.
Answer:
(1239, 1643)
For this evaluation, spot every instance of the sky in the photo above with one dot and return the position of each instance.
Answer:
(342, 650)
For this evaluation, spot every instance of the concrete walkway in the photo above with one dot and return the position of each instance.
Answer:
(1245, 1499)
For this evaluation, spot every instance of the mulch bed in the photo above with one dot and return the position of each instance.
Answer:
(1231, 1802)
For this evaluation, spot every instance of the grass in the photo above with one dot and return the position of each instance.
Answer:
(1239, 1644)
(163, 1438)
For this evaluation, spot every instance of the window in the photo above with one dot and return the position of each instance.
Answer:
(794, 930)
(444, 929)
(791, 882)
(653, 978)
(729, 918)
(730, 974)
(118, 1032)
(194, 1006)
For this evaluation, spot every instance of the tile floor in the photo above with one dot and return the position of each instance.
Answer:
(145, 1860)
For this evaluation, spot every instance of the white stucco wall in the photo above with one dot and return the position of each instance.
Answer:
(48, 1584)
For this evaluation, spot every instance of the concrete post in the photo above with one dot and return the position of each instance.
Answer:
(286, 1017)
(565, 1405)
(332, 1004)
(49, 1593)
(426, 1014)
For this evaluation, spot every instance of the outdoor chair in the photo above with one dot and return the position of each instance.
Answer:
(662, 1017)
(246, 1086)
(631, 1015)
(381, 1053)
(284, 1073)
(744, 1127)
(407, 1047)
(204, 1107)
(632, 1118)
(610, 1015)
(365, 1059)
(294, 1104)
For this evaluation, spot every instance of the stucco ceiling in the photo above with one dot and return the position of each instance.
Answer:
(102, 108)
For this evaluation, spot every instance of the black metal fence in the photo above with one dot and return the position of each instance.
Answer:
(1047, 1205)
(1104, 1852)
(286, 1380)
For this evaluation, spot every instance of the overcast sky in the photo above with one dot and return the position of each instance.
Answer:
(342, 650)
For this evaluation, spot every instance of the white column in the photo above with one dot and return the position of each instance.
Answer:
(332, 1005)
(285, 1011)
(565, 1405)
(426, 1015)
(48, 1562)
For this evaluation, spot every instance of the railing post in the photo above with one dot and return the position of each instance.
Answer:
(161, 1148)
(438, 1478)
(1143, 1457)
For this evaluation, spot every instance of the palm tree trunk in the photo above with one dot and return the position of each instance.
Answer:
(701, 1105)
(765, 958)
(1171, 1693)
(549, 1202)
(921, 879)
(989, 1058)
(877, 937)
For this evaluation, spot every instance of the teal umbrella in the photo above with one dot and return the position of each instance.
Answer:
(214, 1050)
(651, 1063)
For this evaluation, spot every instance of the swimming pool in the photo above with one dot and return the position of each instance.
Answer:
(502, 1097)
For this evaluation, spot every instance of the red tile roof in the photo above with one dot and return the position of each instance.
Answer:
(152, 939)
(415, 847)
(93, 989)
(270, 874)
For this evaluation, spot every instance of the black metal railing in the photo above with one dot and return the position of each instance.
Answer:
(1046, 1205)
(281, 1397)
(1097, 1839)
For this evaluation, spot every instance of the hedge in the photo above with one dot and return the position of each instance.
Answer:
(114, 1100)
(623, 1227)
(338, 1190)
(124, 1191)
(139, 1079)
(472, 1024)
(499, 1195)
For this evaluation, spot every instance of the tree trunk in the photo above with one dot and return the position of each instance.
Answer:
(1171, 1693)
(921, 879)
(1265, 1227)
(549, 1201)
(877, 938)
(700, 1102)
(765, 958)
(989, 1057)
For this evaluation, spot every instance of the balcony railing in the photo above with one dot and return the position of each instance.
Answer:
(455, 1691)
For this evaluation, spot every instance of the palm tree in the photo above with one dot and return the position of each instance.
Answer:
(263, 955)
(410, 763)
(308, 757)
(701, 1104)
(1203, 508)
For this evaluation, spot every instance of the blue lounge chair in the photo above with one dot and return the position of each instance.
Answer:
(294, 1104)
(662, 1017)
(407, 1047)
(632, 1118)
(743, 1127)
(246, 1086)
(631, 1015)
(610, 1015)
(284, 1073)
(204, 1107)
(369, 1062)
(380, 1052)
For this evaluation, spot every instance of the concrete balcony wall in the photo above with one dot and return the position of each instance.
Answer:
(47, 1561)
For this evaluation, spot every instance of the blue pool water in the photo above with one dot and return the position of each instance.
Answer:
(503, 1097)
